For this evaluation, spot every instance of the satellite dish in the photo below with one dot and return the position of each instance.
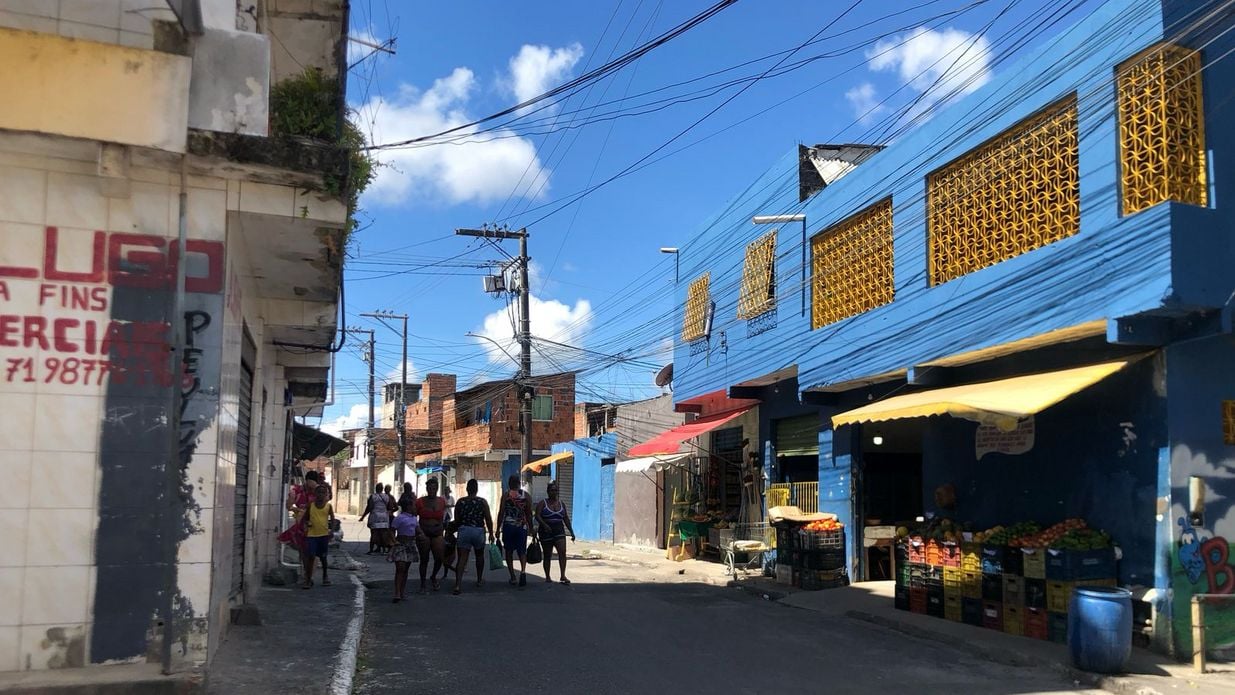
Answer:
(665, 375)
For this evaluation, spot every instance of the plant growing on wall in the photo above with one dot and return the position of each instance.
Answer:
(307, 106)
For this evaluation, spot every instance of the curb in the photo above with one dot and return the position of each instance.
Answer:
(345, 662)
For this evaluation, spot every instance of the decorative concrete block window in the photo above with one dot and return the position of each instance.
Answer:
(1016, 193)
(542, 407)
(695, 318)
(758, 294)
(851, 265)
(1161, 128)
(1228, 422)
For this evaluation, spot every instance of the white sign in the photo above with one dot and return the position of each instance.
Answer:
(1017, 440)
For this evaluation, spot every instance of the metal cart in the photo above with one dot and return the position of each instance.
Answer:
(747, 547)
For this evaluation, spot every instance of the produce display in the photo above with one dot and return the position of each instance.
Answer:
(824, 525)
(1070, 534)
(1000, 535)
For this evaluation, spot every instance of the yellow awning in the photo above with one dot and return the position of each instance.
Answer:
(1000, 403)
(539, 464)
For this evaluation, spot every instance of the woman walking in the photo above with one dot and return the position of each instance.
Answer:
(472, 515)
(554, 524)
(405, 551)
(432, 511)
(515, 512)
(378, 511)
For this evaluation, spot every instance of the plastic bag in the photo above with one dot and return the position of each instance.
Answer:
(534, 555)
(495, 556)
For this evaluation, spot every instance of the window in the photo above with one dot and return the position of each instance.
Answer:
(851, 265)
(542, 407)
(1161, 128)
(695, 318)
(1014, 194)
(759, 277)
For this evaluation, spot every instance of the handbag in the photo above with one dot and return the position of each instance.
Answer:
(495, 556)
(534, 555)
(295, 534)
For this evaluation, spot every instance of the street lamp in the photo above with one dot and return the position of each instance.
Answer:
(381, 316)
(782, 219)
(673, 250)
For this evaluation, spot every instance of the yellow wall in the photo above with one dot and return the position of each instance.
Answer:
(84, 89)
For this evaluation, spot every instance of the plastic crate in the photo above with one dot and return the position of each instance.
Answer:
(953, 591)
(1013, 590)
(815, 580)
(902, 575)
(901, 552)
(992, 559)
(952, 576)
(1033, 563)
(1013, 620)
(934, 602)
(821, 559)
(934, 553)
(815, 540)
(1035, 593)
(971, 584)
(971, 611)
(1073, 565)
(971, 557)
(916, 548)
(952, 608)
(992, 615)
(1013, 561)
(992, 587)
(917, 600)
(1035, 623)
(917, 576)
(901, 598)
(950, 554)
(1058, 594)
(1057, 627)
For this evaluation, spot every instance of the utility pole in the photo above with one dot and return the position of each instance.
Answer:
(523, 379)
(370, 445)
(401, 409)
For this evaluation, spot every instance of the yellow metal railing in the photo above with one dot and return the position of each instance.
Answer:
(806, 497)
(777, 495)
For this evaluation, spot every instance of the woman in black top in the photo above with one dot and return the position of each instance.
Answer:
(473, 517)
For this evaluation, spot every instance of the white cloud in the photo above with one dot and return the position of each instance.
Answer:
(550, 319)
(477, 172)
(945, 65)
(865, 105)
(537, 69)
(395, 375)
(357, 416)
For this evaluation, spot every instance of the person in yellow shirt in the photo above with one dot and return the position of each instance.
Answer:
(317, 535)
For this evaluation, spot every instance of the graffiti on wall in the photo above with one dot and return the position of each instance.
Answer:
(1202, 565)
(88, 347)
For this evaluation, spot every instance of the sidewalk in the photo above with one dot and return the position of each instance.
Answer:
(305, 641)
(1149, 673)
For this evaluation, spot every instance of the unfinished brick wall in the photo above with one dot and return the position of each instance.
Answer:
(461, 434)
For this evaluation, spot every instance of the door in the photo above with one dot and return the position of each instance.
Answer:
(566, 483)
(891, 495)
(240, 513)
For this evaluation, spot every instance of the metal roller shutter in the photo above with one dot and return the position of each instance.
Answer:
(240, 516)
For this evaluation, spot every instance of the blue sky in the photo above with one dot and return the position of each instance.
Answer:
(599, 281)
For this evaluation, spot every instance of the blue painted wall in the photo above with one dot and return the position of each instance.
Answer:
(592, 513)
(1170, 256)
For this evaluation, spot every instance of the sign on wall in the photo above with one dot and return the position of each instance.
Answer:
(993, 439)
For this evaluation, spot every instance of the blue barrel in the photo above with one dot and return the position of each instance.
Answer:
(1100, 628)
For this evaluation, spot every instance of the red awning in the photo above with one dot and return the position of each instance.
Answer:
(670, 441)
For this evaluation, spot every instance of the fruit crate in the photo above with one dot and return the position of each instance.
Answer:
(934, 602)
(934, 553)
(953, 591)
(971, 611)
(1013, 620)
(901, 551)
(917, 550)
(822, 559)
(952, 576)
(816, 580)
(1058, 594)
(949, 554)
(917, 600)
(992, 559)
(952, 608)
(992, 615)
(1013, 561)
(1013, 590)
(902, 575)
(1035, 593)
(917, 576)
(1057, 627)
(992, 587)
(1072, 565)
(1035, 623)
(816, 540)
(901, 598)
(1033, 563)
(971, 584)
(971, 557)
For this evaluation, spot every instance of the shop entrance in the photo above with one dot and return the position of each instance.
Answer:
(891, 490)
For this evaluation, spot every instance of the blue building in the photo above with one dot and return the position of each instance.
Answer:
(1029, 297)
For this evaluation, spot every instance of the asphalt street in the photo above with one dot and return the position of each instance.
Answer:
(620, 629)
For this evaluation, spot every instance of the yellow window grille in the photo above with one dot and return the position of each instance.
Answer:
(759, 277)
(694, 322)
(1161, 128)
(1228, 422)
(851, 263)
(1014, 194)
